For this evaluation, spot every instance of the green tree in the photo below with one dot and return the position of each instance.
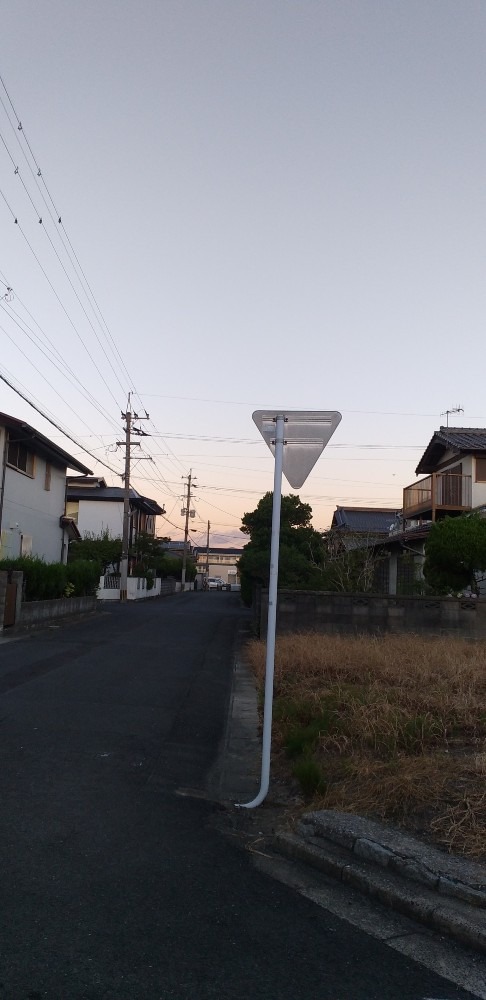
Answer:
(455, 553)
(146, 550)
(102, 549)
(301, 554)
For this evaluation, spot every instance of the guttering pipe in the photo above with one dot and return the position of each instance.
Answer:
(2, 487)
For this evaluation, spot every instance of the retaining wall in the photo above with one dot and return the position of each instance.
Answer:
(303, 611)
(32, 612)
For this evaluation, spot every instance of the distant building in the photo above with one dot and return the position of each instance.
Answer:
(222, 562)
(176, 549)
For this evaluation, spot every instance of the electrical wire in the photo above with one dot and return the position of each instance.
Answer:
(54, 424)
(61, 230)
(66, 374)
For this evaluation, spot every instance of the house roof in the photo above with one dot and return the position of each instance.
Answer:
(175, 546)
(456, 439)
(114, 494)
(364, 520)
(88, 482)
(21, 431)
(222, 550)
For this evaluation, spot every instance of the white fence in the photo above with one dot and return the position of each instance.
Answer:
(109, 588)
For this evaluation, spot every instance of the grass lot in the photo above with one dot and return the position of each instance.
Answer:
(391, 727)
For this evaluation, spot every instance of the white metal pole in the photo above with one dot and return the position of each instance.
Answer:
(272, 617)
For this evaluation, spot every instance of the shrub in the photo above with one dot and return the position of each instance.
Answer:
(48, 581)
(42, 581)
(83, 577)
(309, 776)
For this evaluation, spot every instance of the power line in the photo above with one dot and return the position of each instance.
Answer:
(61, 231)
(56, 425)
(44, 272)
(66, 374)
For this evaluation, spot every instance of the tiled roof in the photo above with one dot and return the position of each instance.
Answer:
(364, 520)
(458, 439)
(465, 438)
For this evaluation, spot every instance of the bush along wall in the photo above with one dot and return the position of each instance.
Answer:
(49, 581)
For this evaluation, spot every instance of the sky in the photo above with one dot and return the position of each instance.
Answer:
(264, 204)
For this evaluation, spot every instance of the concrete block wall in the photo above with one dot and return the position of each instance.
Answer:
(302, 611)
(38, 611)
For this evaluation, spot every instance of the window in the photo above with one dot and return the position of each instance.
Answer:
(481, 470)
(47, 480)
(19, 458)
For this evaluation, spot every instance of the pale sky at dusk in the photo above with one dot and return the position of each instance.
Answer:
(275, 204)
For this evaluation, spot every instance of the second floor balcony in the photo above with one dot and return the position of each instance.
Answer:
(441, 492)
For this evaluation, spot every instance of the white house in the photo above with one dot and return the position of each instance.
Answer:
(97, 508)
(33, 493)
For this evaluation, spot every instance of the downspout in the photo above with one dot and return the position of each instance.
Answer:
(2, 488)
(63, 538)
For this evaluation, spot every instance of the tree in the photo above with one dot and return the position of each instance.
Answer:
(301, 555)
(455, 552)
(352, 562)
(146, 550)
(102, 549)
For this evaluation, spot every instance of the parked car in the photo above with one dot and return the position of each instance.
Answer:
(215, 583)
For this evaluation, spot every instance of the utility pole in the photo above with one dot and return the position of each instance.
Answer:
(188, 513)
(207, 551)
(128, 444)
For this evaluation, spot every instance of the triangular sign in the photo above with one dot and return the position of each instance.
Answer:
(305, 436)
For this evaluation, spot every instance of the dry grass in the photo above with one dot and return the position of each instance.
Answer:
(392, 727)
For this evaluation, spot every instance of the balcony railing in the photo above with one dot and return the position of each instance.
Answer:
(440, 491)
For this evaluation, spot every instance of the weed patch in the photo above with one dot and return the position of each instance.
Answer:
(392, 727)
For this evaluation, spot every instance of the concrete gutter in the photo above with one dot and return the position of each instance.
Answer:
(439, 890)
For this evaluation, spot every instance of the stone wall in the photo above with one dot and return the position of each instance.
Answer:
(303, 611)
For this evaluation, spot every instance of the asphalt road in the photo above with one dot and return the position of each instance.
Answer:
(116, 887)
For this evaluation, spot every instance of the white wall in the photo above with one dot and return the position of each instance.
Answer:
(98, 516)
(31, 510)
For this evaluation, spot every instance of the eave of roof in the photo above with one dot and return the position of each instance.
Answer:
(456, 439)
(41, 444)
(113, 494)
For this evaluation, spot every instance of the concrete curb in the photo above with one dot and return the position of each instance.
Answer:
(438, 890)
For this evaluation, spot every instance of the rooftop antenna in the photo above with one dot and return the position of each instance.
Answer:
(453, 409)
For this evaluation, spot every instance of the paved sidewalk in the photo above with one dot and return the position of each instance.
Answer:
(439, 890)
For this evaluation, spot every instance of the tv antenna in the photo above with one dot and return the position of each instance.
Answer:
(453, 409)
